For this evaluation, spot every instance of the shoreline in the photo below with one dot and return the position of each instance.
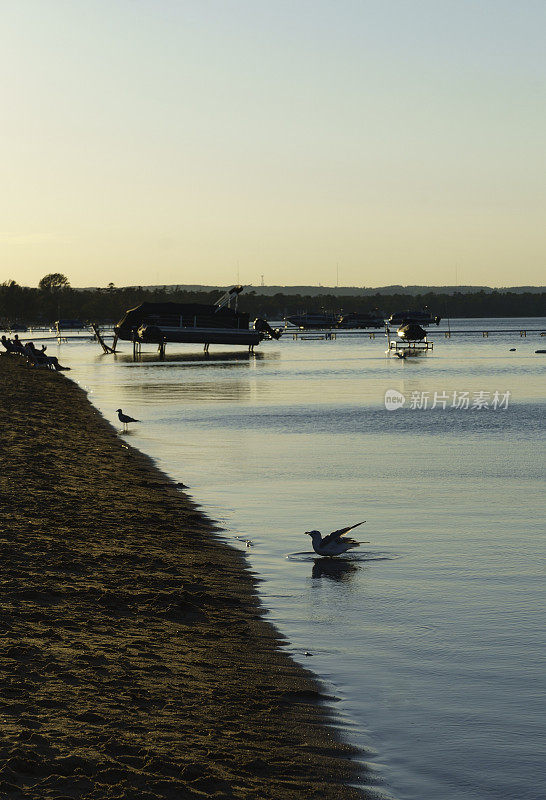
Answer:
(137, 661)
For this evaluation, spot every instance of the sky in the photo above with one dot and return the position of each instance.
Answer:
(349, 142)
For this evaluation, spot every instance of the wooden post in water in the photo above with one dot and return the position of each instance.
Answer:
(100, 340)
(136, 345)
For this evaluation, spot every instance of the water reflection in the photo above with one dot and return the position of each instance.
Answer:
(190, 378)
(191, 391)
(336, 569)
(203, 359)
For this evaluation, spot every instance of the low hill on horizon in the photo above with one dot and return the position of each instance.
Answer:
(19, 303)
(342, 291)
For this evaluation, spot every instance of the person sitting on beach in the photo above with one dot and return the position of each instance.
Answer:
(7, 344)
(39, 357)
(18, 346)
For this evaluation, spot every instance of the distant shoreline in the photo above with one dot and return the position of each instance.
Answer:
(137, 659)
(311, 290)
(34, 306)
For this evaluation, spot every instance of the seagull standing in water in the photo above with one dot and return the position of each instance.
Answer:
(125, 419)
(333, 544)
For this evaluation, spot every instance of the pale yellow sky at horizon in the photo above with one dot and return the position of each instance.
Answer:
(357, 142)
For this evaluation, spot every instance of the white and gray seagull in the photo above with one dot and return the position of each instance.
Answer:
(333, 544)
(125, 419)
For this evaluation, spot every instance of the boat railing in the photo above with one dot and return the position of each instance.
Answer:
(195, 321)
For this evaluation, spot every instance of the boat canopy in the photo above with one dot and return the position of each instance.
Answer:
(176, 314)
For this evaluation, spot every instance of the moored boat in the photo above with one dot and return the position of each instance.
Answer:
(423, 317)
(195, 323)
(69, 324)
(314, 319)
(361, 319)
(412, 341)
(411, 332)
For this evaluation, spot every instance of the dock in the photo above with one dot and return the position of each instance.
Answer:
(333, 333)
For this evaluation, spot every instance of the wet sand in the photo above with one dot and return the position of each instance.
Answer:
(135, 660)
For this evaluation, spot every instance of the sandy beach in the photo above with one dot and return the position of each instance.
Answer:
(135, 660)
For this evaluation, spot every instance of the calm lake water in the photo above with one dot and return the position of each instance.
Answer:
(431, 637)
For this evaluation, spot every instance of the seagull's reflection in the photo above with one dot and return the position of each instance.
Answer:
(337, 569)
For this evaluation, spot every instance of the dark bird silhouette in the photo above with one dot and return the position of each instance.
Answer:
(333, 544)
(125, 419)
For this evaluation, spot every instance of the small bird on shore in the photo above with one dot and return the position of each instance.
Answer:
(333, 544)
(125, 419)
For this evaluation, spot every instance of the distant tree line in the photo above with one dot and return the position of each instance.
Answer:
(55, 299)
